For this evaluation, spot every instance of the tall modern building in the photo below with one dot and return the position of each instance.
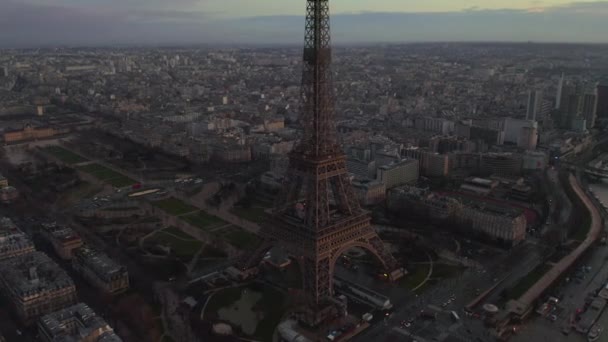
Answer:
(558, 96)
(587, 109)
(601, 93)
(535, 102)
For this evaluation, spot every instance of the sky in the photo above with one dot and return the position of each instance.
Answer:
(31, 23)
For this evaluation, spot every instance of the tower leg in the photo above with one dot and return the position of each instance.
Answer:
(249, 262)
(393, 269)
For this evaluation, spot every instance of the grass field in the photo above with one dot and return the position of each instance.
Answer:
(106, 175)
(526, 282)
(182, 245)
(240, 238)
(416, 276)
(64, 155)
(212, 252)
(174, 206)
(252, 214)
(204, 221)
(445, 271)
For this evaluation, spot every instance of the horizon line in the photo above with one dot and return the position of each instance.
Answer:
(286, 44)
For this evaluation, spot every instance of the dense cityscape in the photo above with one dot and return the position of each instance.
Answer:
(448, 192)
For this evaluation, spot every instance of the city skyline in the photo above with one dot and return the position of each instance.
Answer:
(93, 23)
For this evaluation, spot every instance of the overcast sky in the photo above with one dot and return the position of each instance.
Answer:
(102, 22)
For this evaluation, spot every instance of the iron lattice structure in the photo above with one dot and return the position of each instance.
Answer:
(317, 216)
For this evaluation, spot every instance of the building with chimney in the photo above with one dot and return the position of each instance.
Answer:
(75, 323)
(100, 271)
(64, 239)
(35, 285)
(13, 242)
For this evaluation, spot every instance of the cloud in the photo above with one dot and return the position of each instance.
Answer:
(96, 22)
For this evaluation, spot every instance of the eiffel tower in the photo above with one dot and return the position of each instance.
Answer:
(317, 216)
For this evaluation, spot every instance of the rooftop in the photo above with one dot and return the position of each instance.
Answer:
(401, 163)
(99, 262)
(77, 323)
(60, 232)
(367, 184)
(11, 238)
(33, 273)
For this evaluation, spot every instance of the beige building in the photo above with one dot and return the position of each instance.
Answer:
(13, 242)
(435, 164)
(370, 192)
(35, 285)
(64, 239)
(497, 222)
(404, 172)
(75, 323)
(101, 271)
(30, 133)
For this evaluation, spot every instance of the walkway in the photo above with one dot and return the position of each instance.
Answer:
(428, 275)
(528, 298)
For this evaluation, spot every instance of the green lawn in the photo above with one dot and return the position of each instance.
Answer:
(64, 155)
(120, 209)
(416, 276)
(212, 252)
(204, 221)
(174, 206)
(446, 271)
(526, 282)
(182, 245)
(253, 214)
(240, 238)
(585, 225)
(107, 175)
(272, 304)
(178, 233)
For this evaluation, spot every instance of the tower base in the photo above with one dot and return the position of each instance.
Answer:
(397, 274)
(316, 316)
